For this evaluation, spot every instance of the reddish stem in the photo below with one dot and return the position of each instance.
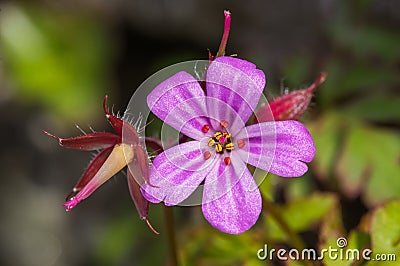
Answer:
(224, 40)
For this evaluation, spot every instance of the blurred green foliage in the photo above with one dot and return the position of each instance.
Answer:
(55, 61)
(62, 68)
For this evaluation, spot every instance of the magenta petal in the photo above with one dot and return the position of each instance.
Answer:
(179, 101)
(237, 83)
(278, 147)
(176, 173)
(237, 209)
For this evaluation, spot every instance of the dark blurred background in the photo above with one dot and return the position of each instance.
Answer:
(59, 59)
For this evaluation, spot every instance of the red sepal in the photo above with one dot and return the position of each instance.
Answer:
(91, 171)
(89, 142)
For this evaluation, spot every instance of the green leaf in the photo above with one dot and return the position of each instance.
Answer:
(385, 229)
(300, 214)
(385, 232)
(207, 246)
(298, 187)
(369, 163)
(326, 133)
(348, 249)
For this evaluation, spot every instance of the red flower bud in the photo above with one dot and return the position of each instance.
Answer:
(289, 106)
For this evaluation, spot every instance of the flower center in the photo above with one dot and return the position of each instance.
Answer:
(221, 141)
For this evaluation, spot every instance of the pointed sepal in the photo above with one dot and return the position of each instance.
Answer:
(289, 106)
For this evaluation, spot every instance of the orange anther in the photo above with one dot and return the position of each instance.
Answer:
(224, 124)
(240, 143)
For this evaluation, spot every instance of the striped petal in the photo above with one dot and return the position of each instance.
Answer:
(236, 209)
(177, 172)
(179, 101)
(280, 147)
(237, 83)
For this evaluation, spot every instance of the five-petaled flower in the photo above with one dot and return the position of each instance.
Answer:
(222, 145)
(117, 151)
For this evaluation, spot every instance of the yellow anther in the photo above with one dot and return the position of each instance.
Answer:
(229, 146)
(218, 148)
(211, 142)
(226, 135)
(218, 135)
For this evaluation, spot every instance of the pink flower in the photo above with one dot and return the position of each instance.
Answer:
(222, 145)
(116, 153)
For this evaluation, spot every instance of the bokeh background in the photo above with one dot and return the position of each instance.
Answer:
(59, 58)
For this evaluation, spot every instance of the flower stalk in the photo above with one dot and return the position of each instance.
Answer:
(170, 229)
(224, 40)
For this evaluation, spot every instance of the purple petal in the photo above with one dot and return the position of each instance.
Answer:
(179, 101)
(237, 83)
(235, 123)
(177, 172)
(278, 147)
(236, 210)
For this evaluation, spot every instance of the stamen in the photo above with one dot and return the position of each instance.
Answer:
(226, 135)
(218, 148)
(224, 124)
(240, 143)
(211, 142)
(207, 155)
(217, 135)
(205, 128)
(227, 160)
(229, 146)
